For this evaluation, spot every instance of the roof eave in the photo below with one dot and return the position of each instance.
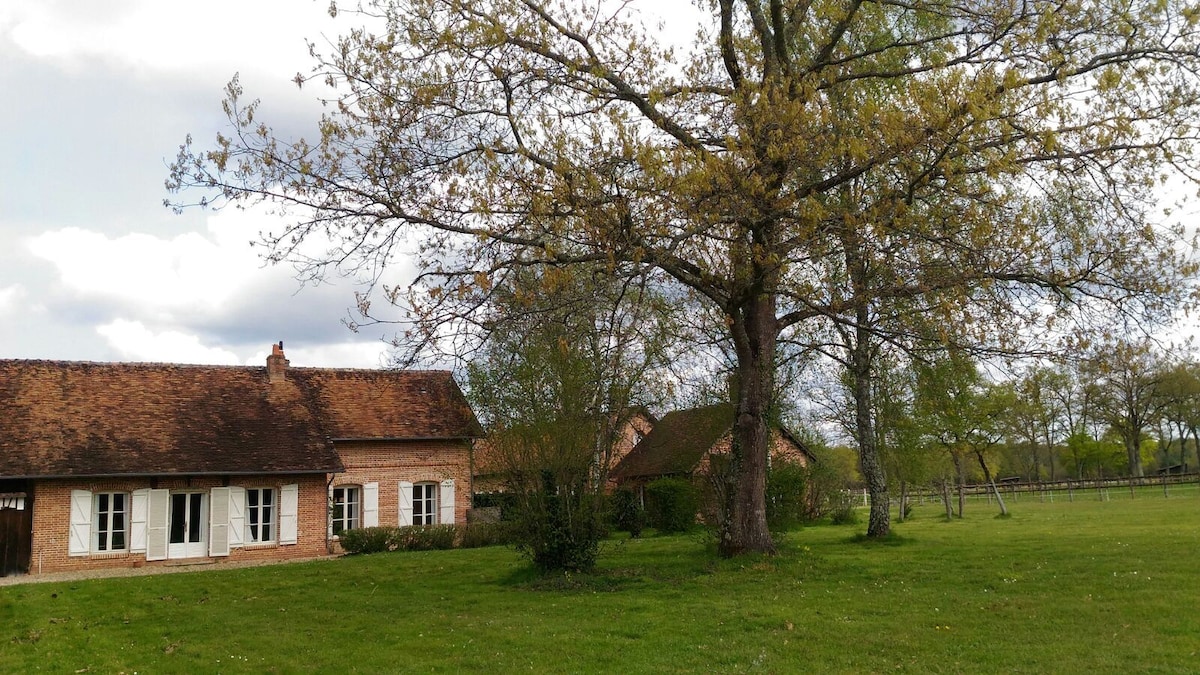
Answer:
(396, 439)
(153, 474)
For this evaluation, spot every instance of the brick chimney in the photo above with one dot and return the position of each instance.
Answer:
(277, 364)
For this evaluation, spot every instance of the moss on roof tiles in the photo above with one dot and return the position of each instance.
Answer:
(677, 442)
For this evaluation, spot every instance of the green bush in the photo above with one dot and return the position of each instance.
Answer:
(367, 539)
(425, 537)
(559, 527)
(844, 511)
(626, 512)
(787, 493)
(477, 535)
(672, 504)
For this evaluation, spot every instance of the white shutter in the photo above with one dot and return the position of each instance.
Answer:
(137, 520)
(218, 522)
(237, 516)
(329, 514)
(405, 503)
(446, 502)
(289, 506)
(158, 508)
(370, 497)
(80, 535)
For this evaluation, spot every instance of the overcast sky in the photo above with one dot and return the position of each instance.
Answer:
(98, 96)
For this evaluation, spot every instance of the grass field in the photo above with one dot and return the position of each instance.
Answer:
(1108, 586)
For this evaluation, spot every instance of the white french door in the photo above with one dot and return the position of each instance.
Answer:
(188, 525)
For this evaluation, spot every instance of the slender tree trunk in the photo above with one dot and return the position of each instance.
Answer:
(1195, 445)
(903, 501)
(879, 522)
(987, 474)
(946, 498)
(960, 477)
(744, 518)
(1050, 454)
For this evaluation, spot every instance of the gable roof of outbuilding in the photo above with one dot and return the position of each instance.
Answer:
(680, 440)
(61, 418)
(677, 442)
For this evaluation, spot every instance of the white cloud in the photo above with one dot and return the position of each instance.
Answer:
(189, 272)
(154, 35)
(133, 341)
(11, 298)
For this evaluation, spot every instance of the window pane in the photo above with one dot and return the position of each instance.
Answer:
(178, 518)
(194, 517)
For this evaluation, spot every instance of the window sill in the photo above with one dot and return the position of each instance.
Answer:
(107, 555)
(260, 544)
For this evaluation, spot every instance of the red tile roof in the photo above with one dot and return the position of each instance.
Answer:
(107, 419)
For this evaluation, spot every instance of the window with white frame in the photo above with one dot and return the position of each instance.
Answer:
(111, 522)
(260, 515)
(347, 501)
(424, 504)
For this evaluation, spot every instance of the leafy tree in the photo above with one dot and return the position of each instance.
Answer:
(556, 387)
(1035, 418)
(855, 164)
(1126, 376)
(907, 456)
(961, 411)
(1179, 392)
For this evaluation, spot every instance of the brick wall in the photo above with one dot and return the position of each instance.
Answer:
(52, 517)
(388, 463)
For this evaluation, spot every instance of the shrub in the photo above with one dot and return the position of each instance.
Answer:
(480, 534)
(559, 527)
(626, 512)
(787, 493)
(367, 540)
(425, 537)
(844, 511)
(672, 504)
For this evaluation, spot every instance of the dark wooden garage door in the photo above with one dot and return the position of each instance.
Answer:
(16, 527)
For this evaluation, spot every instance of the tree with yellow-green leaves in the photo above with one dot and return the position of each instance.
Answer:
(892, 172)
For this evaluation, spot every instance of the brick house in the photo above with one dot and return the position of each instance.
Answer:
(147, 464)
(683, 442)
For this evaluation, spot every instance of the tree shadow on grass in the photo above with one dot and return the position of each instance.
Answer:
(890, 540)
(625, 564)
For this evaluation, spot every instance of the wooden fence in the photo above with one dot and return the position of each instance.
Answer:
(1104, 489)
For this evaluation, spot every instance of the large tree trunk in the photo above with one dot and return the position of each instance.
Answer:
(744, 516)
(879, 523)
(1133, 452)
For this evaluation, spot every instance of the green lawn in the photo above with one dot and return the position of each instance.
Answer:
(1064, 587)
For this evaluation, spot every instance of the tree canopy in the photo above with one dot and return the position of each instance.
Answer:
(902, 172)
